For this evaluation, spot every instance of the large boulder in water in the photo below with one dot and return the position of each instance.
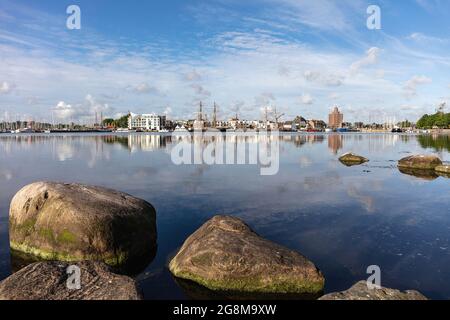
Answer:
(361, 291)
(420, 162)
(73, 222)
(225, 255)
(49, 281)
(351, 159)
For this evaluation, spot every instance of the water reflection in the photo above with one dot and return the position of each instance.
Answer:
(438, 143)
(335, 143)
(429, 175)
(66, 146)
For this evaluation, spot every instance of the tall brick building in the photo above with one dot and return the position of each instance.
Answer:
(335, 119)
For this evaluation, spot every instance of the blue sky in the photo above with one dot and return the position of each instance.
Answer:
(300, 56)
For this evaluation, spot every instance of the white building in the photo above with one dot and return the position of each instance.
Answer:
(146, 121)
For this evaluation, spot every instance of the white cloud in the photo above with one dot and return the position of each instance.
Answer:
(6, 87)
(371, 58)
(311, 75)
(334, 96)
(307, 99)
(322, 15)
(143, 88)
(94, 106)
(330, 80)
(420, 37)
(410, 87)
(168, 111)
(86, 111)
(193, 76)
(64, 111)
(200, 91)
(264, 99)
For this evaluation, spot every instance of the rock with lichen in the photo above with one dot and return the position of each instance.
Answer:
(351, 159)
(225, 255)
(74, 222)
(420, 162)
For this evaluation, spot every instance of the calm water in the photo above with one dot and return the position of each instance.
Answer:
(342, 218)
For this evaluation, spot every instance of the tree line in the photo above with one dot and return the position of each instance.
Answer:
(439, 119)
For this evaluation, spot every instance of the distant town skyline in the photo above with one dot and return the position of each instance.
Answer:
(303, 57)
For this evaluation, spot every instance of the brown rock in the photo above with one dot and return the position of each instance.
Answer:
(360, 291)
(48, 281)
(73, 222)
(226, 255)
(422, 162)
(351, 159)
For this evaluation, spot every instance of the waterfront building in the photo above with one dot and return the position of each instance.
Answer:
(147, 122)
(335, 119)
(235, 123)
(290, 126)
(300, 123)
(318, 125)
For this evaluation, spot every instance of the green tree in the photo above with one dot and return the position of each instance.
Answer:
(108, 122)
(440, 120)
(122, 122)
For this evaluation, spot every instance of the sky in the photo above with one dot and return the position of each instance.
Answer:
(301, 57)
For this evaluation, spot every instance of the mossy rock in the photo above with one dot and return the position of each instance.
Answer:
(73, 222)
(420, 162)
(225, 255)
(351, 159)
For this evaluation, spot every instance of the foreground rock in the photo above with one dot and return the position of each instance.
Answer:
(72, 222)
(351, 159)
(360, 291)
(421, 162)
(226, 255)
(48, 281)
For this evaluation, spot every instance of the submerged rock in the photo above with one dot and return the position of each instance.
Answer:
(226, 255)
(73, 222)
(48, 281)
(421, 162)
(360, 291)
(351, 159)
